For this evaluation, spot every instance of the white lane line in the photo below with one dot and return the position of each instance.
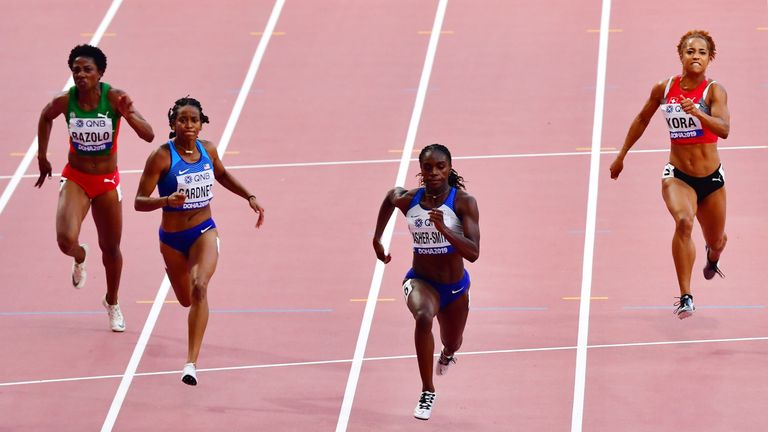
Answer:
(378, 273)
(32, 150)
(396, 357)
(162, 292)
(589, 236)
(386, 161)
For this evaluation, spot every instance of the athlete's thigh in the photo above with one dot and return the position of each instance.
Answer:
(71, 209)
(421, 297)
(107, 213)
(679, 197)
(453, 317)
(711, 215)
(204, 255)
(177, 268)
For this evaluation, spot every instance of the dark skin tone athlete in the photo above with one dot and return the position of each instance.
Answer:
(189, 275)
(424, 301)
(73, 202)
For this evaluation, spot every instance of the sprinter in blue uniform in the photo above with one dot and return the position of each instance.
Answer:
(183, 170)
(444, 223)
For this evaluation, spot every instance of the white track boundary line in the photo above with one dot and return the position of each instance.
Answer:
(32, 150)
(162, 292)
(378, 273)
(396, 357)
(579, 384)
(385, 161)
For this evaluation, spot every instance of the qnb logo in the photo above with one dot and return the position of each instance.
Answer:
(187, 179)
(418, 223)
(79, 123)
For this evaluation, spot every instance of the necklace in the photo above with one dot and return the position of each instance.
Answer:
(189, 151)
(435, 196)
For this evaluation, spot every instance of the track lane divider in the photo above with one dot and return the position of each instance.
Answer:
(580, 374)
(162, 292)
(378, 273)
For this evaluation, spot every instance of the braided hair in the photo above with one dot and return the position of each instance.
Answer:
(173, 112)
(89, 51)
(454, 179)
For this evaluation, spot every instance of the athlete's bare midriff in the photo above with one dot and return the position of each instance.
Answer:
(697, 160)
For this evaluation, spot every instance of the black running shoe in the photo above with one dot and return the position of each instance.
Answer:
(685, 306)
(711, 269)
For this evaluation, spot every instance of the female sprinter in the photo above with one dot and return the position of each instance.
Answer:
(90, 180)
(444, 222)
(693, 182)
(183, 170)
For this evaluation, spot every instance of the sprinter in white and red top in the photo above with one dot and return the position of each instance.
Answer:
(444, 223)
(693, 182)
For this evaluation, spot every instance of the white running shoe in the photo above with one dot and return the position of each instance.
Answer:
(78, 270)
(189, 375)
(443, 363)
(424, 408)
(116, 320)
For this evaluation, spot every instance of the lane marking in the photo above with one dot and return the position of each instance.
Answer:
(386, 161)
(429, 32)
(277, 33)
(591, 223)
(396, 357)
(590, 148)
(762, 29)
(378, 273)
(162, 292)
(88, 34)
(579, 298)
(609, 30)
(32, 150)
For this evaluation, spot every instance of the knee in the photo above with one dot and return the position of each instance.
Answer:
(110, 250)
(66, 242)
(684, 224)
(199, 290)
(424, 318)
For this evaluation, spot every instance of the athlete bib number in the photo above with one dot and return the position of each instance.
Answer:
(90, 134)
(680, 124)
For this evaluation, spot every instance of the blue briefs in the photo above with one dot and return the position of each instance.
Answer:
(447, 292)
(182, 241)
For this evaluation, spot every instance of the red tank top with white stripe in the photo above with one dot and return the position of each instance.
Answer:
(684, 128)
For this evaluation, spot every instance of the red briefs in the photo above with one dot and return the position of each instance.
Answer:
(93, 184)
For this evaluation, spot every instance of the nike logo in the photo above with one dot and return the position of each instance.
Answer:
(205, 229)
(457, 291)
(183, 171)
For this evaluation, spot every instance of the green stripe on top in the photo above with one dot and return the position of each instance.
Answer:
(92, 133)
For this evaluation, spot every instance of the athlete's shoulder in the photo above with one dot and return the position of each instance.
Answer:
(465, 201)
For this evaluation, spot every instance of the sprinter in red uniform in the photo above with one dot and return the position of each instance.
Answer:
(90, 180)
(693, 182)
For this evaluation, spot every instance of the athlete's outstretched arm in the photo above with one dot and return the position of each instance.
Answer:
(54, 109)
(157, 163)
(124, 104)
(385, 212)
(638, 126)
(231, 183)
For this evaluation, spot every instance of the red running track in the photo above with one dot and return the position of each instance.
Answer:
(512, 83)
